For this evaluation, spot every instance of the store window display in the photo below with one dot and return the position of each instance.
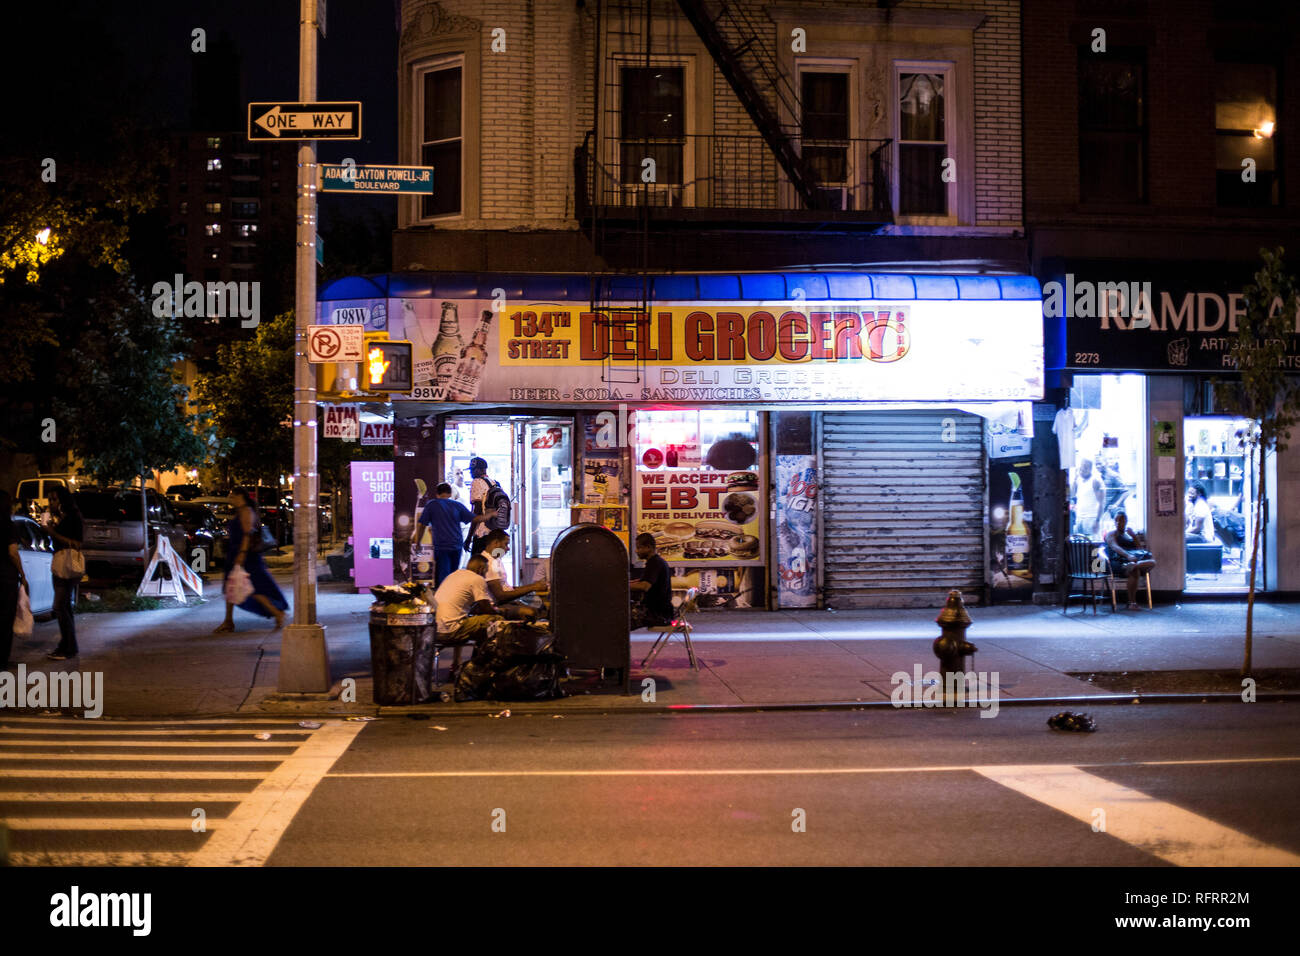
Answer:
(1108, 474)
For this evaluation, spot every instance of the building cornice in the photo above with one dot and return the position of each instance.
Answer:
(867, 16)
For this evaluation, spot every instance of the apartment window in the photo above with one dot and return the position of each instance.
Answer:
(923, 141)
(653, 122)
(185, 208)
(213, 208)
(214, 164)
(442, 139)
(212, 186)
(1245, 127)
(244, 210)
(824, 100)
(275, 185)
(214, 142)
(212, 229)
(241, 254)
(212, 253)
(183, 186)
(246, 166)
(275, 162)
(181, 230)
(1112, 126)
(247, 230)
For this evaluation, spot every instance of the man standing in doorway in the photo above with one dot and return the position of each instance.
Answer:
(1089, 497)
(487, 496)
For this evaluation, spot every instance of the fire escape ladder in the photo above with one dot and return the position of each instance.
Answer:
(621, 322)
(730, 55)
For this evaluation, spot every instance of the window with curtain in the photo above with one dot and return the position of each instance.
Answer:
(922, 143)
(1245, 123)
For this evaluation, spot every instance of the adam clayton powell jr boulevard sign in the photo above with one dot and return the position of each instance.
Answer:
(304, 121)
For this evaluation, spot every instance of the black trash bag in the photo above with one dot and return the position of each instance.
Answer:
(514, 662)
(1076, 723)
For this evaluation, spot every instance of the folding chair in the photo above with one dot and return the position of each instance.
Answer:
(680, 626)
(1086, 562)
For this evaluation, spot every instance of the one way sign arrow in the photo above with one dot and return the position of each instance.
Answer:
(304, 121)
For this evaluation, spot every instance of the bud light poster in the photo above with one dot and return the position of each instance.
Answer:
(1011, 524)
(796, 530)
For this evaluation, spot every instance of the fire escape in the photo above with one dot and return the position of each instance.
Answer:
(770, 179)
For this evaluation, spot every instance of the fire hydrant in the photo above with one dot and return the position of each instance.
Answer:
(951, 646)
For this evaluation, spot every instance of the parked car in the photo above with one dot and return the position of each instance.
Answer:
(36, 551)
(205, 531)
(184, 492)
(33, 494)
(113, 544)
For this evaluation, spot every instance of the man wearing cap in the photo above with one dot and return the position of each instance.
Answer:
(481, 491)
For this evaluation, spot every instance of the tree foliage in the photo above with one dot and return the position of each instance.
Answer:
(1267, 394)
(127, 414)
(248, 396)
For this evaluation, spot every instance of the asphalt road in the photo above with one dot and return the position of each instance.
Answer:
(1176, 785)
(1163, 785)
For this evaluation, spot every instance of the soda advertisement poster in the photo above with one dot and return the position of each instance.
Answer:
(372, 523)
(1011, 524)
(796, 530)
(467, 350)
(702, 515)
(414, 481)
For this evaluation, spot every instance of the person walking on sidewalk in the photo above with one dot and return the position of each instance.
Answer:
(11, 577)
(67, 533)
(242, 550)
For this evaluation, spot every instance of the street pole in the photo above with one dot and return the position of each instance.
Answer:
(304, 658)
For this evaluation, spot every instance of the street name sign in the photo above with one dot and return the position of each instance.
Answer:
(376, 179)
(304, 121)
(335, 343)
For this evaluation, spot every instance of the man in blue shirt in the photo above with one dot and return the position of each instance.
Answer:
(443, 516)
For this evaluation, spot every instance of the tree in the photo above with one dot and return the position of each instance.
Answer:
(248, 395)
(1266, 394)
(129, 415)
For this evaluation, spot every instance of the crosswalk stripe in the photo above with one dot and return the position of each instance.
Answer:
(59, 733)
(269, 745)
(249, 835)
(106, 823)
(156, 758)
(1154, 826)
(95, 858)
(122, 796)
(62, 773)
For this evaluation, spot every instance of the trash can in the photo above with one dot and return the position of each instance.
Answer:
(402, 652)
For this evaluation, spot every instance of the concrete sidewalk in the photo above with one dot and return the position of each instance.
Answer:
(169, 663)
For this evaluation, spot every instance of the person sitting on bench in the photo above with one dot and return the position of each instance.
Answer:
(652, 590)
(1127, 557)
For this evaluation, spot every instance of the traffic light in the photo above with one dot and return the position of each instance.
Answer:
(387, 366)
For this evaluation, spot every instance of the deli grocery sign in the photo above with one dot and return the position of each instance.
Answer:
(474, 350)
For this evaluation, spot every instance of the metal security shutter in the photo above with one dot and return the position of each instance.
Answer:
(902, 510)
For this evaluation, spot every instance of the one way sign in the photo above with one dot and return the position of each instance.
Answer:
(304, 121)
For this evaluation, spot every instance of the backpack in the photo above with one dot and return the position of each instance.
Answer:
(498, 499)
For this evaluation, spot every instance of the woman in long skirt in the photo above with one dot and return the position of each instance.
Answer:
(244, 531)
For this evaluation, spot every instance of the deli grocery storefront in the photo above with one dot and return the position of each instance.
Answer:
(1140, 345)
(791, 439)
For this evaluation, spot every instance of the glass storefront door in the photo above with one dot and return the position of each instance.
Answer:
(1219, 491)
(1109, 472)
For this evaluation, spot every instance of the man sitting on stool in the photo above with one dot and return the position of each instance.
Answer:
(652, 591)
(1123, 547)
(465, 607)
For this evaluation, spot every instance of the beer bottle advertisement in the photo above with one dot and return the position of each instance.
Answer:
(1011, 528)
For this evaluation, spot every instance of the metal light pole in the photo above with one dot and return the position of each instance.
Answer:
(304, 658)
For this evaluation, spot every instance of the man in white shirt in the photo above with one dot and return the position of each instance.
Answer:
(465, 607)
(1200, 517)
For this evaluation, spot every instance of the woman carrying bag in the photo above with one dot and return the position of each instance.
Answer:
(67, 567)
(12, 578)
(248, 583)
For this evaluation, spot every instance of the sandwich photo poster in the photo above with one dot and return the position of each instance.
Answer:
(702, 515)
